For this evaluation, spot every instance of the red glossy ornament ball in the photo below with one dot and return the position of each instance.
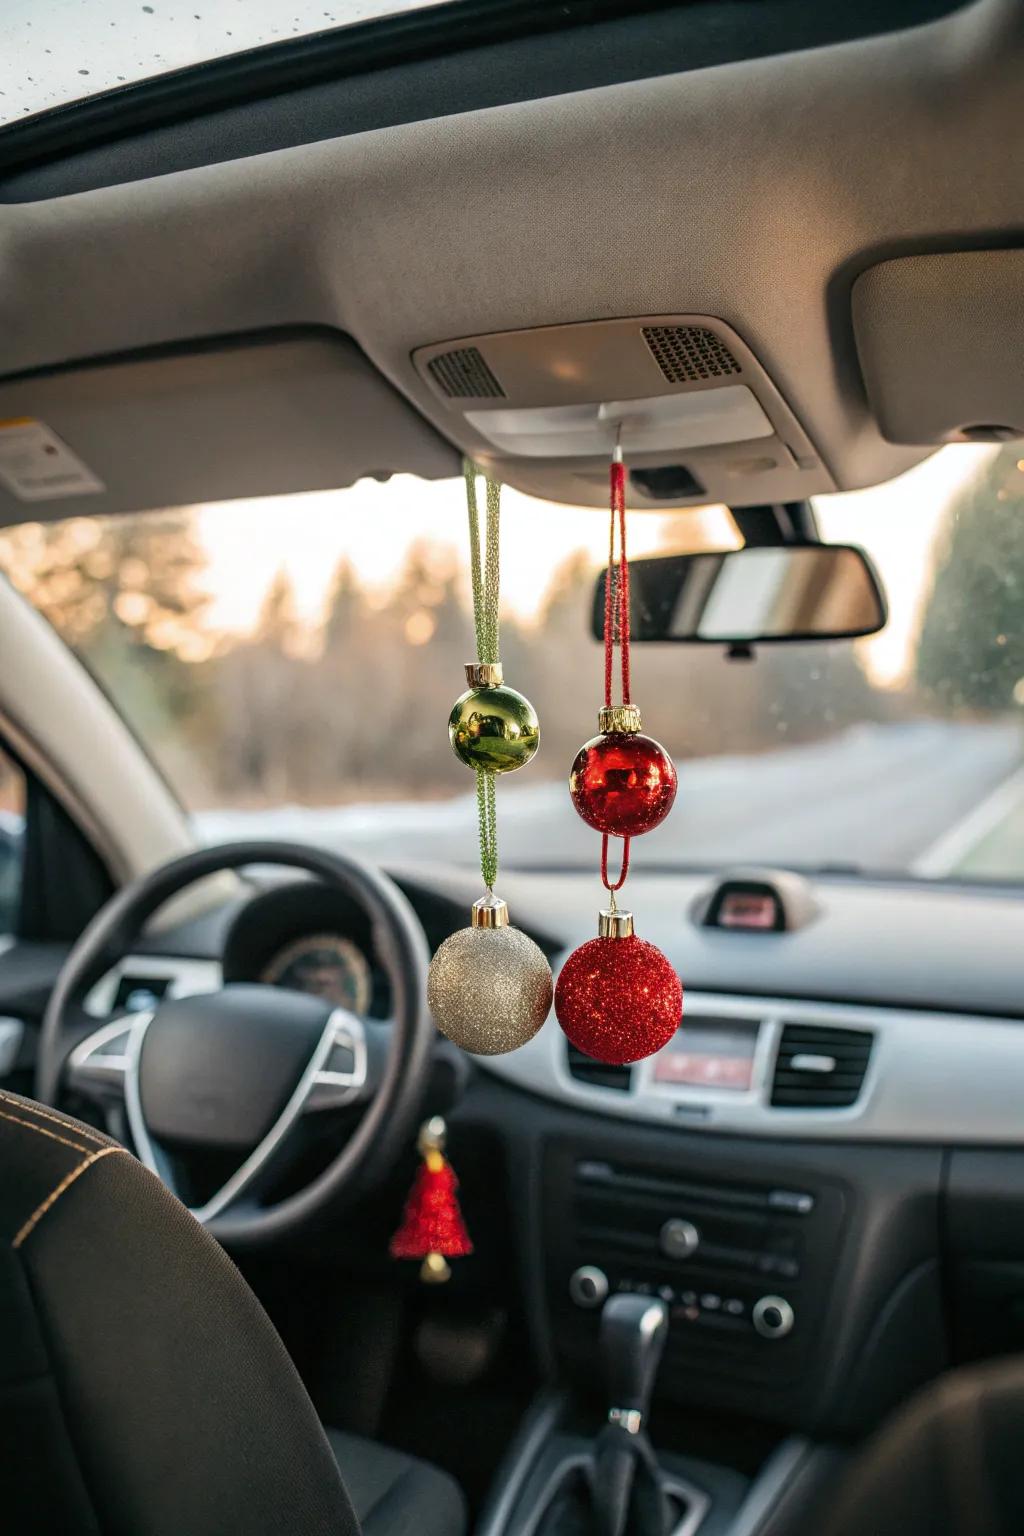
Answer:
(618, 999)
(623, 784)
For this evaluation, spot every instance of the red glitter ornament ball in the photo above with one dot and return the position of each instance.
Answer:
(618, 999)
(623, 784)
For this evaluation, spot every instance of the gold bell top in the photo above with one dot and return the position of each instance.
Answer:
(613, 924)
(618, 720)
(490, 912)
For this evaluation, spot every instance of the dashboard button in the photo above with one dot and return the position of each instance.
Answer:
(734, 1307)
(588, 1286)
(710, 1301)
(679, 1238)
(773, 1317)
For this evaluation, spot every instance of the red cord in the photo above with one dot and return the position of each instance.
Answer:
(616, 625)
(616, 613)
(623, 868)
(610, 615)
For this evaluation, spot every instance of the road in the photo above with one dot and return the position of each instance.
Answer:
(876, 797)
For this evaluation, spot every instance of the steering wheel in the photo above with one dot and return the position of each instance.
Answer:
(239, 1072)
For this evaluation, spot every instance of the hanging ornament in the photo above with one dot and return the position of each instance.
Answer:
(489, 985)
(432, 1227)
(621, 782)
(618, 998)
(492, 728)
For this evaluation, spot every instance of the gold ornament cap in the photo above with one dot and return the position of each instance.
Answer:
(618, 720)
(484, 674)
(613, 924)
(490, 912)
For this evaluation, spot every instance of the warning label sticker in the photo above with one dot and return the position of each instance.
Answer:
(37, 465)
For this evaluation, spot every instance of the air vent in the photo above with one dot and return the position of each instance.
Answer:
(464, 375)
(597, 1074)
(686, 354)
(820, 1068)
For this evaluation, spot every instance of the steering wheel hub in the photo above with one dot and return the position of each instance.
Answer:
(215, 1071)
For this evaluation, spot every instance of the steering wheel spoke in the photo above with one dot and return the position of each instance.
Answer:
(98, 1066)
(343, 1076)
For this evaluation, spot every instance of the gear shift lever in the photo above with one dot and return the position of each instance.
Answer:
(634, 1330)
(625, 1483)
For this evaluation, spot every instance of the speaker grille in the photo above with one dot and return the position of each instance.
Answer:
(463, 374)
(688, 353)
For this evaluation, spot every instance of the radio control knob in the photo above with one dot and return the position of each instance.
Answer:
(588, 1286)
(679, 1238)
(773, 1317)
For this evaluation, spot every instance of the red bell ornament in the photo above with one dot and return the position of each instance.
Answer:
(432, 1227)
(618, 999)
(622, 782)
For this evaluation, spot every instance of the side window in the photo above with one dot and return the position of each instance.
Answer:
(12, 843)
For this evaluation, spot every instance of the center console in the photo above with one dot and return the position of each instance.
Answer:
(744, 1265)
(800, 1281)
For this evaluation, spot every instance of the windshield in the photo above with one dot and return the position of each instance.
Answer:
(59, 51)
(290, 663)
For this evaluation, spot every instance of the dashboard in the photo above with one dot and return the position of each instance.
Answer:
(889, 1014)
(821, 1174)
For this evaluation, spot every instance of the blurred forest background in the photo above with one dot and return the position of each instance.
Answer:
(354, 707)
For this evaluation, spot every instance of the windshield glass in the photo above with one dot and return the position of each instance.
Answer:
(291, 662)
(59, 51)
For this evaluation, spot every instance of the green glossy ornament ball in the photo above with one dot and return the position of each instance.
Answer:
(494, 728)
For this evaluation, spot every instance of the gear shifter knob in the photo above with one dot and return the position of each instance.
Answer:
(634, 1330)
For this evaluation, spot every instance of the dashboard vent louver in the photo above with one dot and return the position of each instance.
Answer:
(818, 1067)
(597, 1074)
(463, 374)
(688, 353)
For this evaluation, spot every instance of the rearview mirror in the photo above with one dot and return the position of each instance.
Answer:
(751, 595)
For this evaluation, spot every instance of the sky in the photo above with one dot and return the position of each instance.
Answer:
(55, 51)
(373, 525)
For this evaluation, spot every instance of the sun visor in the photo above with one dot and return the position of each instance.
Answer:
(940, 340)
(299, 410)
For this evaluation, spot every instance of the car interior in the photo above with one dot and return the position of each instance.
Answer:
(278, 284)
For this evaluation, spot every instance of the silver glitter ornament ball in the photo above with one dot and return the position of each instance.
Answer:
(489, 986)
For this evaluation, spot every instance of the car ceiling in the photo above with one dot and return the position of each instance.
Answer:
(754, 191)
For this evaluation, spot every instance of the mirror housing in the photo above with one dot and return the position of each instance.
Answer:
(763, 594)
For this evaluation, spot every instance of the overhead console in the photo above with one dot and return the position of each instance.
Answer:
(940, 339)
(700, 419)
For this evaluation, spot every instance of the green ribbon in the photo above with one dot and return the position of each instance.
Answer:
(483, 563)
(485, 576)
